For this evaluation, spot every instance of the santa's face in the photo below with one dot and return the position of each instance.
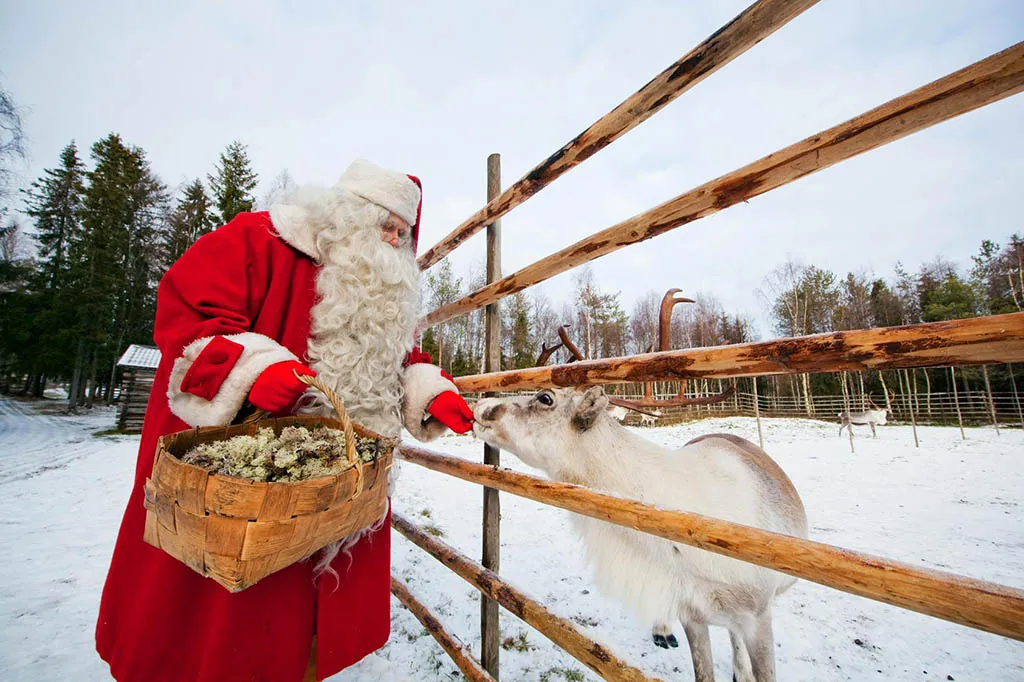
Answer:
(395, 231)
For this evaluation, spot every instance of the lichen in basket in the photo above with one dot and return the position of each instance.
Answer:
(295, 455)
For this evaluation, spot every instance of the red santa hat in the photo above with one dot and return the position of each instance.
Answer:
(397, 192)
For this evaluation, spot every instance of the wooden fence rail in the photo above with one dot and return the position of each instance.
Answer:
(978, 604)
(459, 652)
(974, 341)
(559, 630)
(749, 28)
(984, 82)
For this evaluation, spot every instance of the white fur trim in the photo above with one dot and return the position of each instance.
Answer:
(423, 383)
(388, 189)
(260, 352)
(292, 224)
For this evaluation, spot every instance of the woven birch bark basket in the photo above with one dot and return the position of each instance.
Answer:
(237, 531)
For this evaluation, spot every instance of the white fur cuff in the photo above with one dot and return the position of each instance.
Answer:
(260, 352)
(423, 383)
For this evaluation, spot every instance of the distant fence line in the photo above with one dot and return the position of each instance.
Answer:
(937, 408)
(927, 408)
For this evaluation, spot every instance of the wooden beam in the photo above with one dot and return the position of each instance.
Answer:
(756, 23)
(490, 649)
(459, 652)
(978, 604)
(559, 630)
(973, 341)
(984, 82)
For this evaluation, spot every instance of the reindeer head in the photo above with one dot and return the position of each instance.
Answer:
(541, 429)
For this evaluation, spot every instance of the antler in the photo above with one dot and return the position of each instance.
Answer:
(563, 334)
(545, 354)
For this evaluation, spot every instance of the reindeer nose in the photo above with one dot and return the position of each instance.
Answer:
(487, 412)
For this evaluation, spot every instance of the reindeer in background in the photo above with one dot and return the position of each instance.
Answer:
(876, 415)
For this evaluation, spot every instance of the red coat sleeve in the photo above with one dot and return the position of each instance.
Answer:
(205, 308)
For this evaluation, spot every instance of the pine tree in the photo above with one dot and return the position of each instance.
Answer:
(885, 306)
(519, 352)
(943, 294)
(55, 201)
(233, 183)
(115, 264)
(191, 219)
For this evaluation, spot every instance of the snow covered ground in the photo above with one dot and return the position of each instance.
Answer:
(952, 504)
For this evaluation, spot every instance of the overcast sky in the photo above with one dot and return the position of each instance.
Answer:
(432, 88)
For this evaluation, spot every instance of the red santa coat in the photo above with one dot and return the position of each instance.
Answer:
(160, 621)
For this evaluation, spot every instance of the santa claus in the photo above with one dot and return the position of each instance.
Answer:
(326, 283)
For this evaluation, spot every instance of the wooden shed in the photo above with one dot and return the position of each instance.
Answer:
(139, 364)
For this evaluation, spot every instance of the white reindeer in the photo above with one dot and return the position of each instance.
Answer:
(871, 417)
(570, 435)
(649, 419)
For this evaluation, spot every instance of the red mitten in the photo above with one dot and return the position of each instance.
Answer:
(277, 388)
(451, 410)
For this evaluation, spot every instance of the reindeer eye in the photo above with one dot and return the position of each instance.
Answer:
(545, 399)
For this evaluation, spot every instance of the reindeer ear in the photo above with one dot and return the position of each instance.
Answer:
(590, 406)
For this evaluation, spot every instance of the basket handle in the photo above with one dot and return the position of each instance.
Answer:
(339, 408)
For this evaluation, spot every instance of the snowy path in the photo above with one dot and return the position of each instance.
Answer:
(61, 498)
(35, 437)
(954, 505)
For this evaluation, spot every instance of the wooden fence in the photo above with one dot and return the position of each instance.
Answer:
(995, 339)
(974, 407)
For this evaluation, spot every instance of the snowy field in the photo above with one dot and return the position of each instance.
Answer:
(953, 505)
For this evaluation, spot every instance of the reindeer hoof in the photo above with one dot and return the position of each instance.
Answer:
(672, 641)
(659, 640)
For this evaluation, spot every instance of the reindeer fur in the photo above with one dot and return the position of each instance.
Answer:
(572, 437)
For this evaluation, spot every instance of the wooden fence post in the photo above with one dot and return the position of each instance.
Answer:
(956, 401)
(1016, 398)
(991, 402)
(489, 633)
(757, 414)
(913, 417)
(846, 406)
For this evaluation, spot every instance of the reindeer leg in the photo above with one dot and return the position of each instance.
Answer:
(741, 670)
(663, 637)
(761, 646)
(700, 651)
(873, 434)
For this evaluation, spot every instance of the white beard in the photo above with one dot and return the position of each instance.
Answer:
(362, 327)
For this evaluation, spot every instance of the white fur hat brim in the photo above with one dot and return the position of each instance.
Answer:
(388, 189)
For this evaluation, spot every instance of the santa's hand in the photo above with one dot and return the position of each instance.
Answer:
(277, 388)
(451, 410)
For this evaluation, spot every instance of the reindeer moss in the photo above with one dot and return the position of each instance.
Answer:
(295, 455)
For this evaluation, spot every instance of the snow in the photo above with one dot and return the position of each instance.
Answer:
(953, 504)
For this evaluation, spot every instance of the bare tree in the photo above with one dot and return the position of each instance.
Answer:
(643, 323)
(12, 140)
(282, 184)
(13, 243)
